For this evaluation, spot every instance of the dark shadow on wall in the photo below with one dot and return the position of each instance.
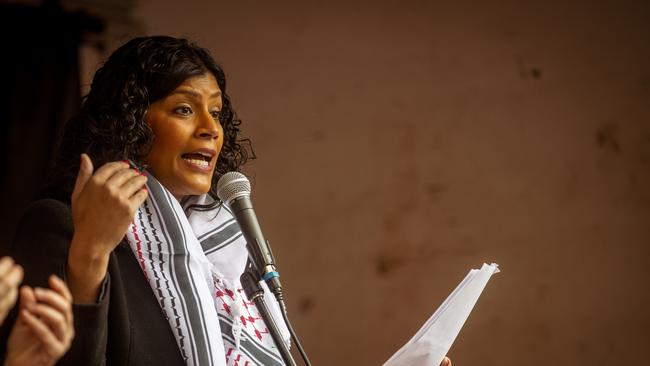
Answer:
(40, 91)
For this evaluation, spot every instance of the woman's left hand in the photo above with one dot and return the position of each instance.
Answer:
(445, 362)
(44, 329)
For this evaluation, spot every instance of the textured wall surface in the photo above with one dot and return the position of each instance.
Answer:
(402, 143)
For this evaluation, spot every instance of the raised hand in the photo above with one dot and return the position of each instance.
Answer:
(44, 329)
(103, 203)
(11, 274)
(103, 206)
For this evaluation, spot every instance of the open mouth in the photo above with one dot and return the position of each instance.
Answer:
(198, 159)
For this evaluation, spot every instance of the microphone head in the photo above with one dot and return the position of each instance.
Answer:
(233, 185)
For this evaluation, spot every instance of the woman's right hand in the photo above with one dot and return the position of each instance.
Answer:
(103, 206)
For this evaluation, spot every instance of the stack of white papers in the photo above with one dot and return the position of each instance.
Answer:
(432, 342)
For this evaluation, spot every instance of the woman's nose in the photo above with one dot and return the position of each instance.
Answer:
(211, 133)
(209, 127)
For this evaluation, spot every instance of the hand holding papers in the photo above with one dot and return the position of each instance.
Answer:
(432, 342)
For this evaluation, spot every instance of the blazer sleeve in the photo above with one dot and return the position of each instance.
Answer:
(41, 246)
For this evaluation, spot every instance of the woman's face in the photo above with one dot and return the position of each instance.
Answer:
(187, 136)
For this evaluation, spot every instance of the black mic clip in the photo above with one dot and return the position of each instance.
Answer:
(255, 293)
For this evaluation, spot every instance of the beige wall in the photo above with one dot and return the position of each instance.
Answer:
(402, 143)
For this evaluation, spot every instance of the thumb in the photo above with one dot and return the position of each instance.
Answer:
(85, 172)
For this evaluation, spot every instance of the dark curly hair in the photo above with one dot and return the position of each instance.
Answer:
(110, 125)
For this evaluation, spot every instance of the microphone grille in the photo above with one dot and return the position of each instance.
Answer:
(232, 185)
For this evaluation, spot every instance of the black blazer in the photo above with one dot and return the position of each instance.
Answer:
(125, 327)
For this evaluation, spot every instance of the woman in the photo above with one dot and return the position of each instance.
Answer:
(153, 262)
(159, 102)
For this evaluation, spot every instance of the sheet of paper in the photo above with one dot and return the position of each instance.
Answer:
(432, 342)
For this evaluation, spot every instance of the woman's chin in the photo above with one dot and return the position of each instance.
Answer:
(195, 190)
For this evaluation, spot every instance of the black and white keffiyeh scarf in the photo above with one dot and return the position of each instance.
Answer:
(192, 259)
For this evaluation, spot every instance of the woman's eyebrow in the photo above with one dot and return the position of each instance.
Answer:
(195, 94)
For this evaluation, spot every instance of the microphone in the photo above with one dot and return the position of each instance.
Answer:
(234, 190)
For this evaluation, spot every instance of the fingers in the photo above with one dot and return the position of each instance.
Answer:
(60, 298)
(55, 347)
(122, 180)
(102, 174)
(54, 319)
(445, 362)
(129, 185)
(103, 211)
(27, 297)
(60, 287)
(107, 170)
(129, 181)
(139, 197)
(56, 301)
(121, 176)
(9, 283)
(15, 276)
(48, 313)
(5, 265)
(85, 172)
(11, 275)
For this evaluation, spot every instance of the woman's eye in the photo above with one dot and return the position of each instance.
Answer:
(183, 110)
(216, 115)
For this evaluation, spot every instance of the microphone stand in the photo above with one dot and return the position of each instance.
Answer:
(255, 293)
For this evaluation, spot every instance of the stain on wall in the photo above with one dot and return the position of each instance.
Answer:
(607, 138)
